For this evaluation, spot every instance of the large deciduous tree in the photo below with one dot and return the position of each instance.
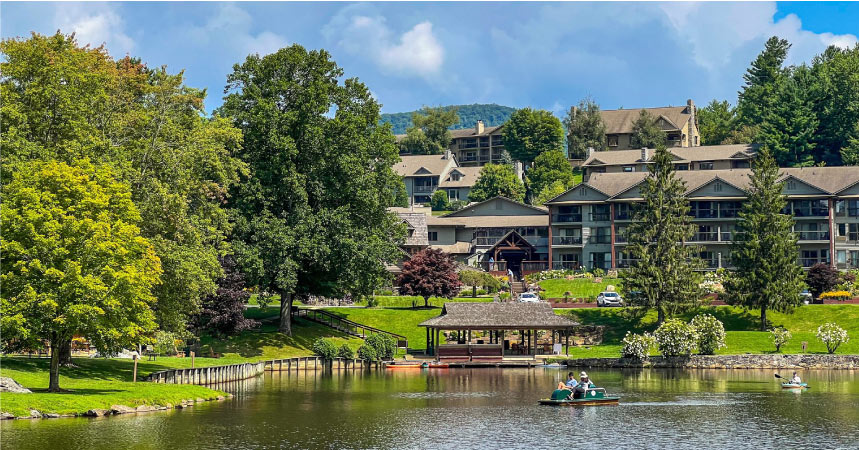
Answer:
(430, 273)
(716, 122)
(530, 132)
(663, 273)
(74, 261)
(64, 102)
(497, 180)
(764, 249)
(549, 168)
(430, 132)
(585, 129)
(646, 131)
(311, 218)
(222, 313)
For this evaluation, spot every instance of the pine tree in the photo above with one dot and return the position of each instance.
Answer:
(789, 124)
(585, 129)
(764, 250)
(716, 122)
(663, 275)
(756, 98)
(646, 132)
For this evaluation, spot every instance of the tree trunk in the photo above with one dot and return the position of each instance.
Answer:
(54, 384)
(426, 302)
(763, 318)
(473, 291)
(660, 316)
(285, 313)
(66, 353)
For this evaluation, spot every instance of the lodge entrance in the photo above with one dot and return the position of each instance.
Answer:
(512, 249)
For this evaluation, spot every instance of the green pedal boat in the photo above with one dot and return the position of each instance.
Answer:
(591, 397)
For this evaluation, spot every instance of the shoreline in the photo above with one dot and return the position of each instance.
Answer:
(745, 361)
(115, 410)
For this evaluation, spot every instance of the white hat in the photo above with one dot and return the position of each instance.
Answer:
(583, 374)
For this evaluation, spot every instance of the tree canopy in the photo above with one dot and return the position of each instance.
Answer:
(430, 132)
(497, 180)
(715, 122)
(646, 131)
(311, 218)
(549, 168)
(74, 260)
(585, 129)
(430, 273)
(530, 132)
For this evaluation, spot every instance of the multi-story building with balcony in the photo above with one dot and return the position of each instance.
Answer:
(588, 223)
(424, 174)
(711, 157)
(477, 146)
(680, 124)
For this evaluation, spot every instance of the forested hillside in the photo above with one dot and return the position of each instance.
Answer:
(490, 114)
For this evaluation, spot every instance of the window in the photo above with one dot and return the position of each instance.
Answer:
(453, 194)
(629, 168)
(432, 235)
(705, 165)
(597, 170)
(681, 167)
(696, 140)
(717, 187)
(791, 185)
(740, 164)
(583, 192)
(455, 177)
(611, 140)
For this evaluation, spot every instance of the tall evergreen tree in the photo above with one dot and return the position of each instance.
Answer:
(765, 249)
(663, 274)
(715, 122)
(789, 125)
(311, 219)
(646, 132)
(530, 132)
(836, 101)
(757, 96)
(585, 129)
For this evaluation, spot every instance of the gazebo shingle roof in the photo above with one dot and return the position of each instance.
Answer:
(497, 315)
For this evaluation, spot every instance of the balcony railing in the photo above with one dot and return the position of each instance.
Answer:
(704, 213)
(620, 238)
(534, 266)
(599, 217)
(813, 235)
(710, 236)
(566, 240)
(567, 218)
(495, 266)
(566, 265)
(625, 263)
(726, 236)
(808, 262)
(605, 265)
(622, 215)
(599, 239)
(425, 188)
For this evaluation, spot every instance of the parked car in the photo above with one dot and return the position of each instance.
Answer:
(609, 299)
(806, 297)
(529, 297)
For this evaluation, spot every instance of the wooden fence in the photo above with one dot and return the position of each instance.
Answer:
(237, 372)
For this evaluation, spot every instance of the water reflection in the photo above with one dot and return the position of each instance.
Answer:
(482, 408)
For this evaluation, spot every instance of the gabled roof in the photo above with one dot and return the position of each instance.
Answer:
(619, 121)
(472, 132)
(461, 212)
(498, 315)
(703, 153)
(418, 223)
(422, 165)
(468, 176)
(512, 239)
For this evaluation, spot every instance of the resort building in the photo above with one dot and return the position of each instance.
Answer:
(512, 234)
(588, 222)
(424, 174)
(477, 146)
(680, 124)
(711, 157)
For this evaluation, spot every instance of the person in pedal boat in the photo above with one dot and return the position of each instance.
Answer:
(570, 384)
(795, 379)
(581, 391)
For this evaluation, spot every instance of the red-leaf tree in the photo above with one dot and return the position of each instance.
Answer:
(430, 273)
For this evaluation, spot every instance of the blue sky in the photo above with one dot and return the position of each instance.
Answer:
(543, 55)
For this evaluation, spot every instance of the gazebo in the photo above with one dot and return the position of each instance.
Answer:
(495, 319)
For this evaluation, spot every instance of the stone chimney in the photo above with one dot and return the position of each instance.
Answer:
(644, 153)
(590, 152)
(447, 154)
(518, 169)
(478, 129)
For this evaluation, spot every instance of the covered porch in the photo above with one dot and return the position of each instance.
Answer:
(506, 330)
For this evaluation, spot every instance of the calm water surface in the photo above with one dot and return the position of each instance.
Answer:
(482, 408)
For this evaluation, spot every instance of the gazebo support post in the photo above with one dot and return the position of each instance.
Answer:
(567, 333)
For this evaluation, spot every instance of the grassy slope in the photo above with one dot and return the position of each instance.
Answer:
(403, 321)
(579, 287)
(95, 383)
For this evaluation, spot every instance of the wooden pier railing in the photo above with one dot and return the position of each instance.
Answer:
(345, 325)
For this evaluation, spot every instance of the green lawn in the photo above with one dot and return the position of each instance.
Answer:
(402, 321)
(578, 287)
(394, 301)
(93, 384)
(741, 327)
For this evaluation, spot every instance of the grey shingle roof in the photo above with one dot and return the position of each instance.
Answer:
(683, 154)
(619, 121)
(418, 223)
(469, 176)
(472, 132)
(498, 315)
(410, 164)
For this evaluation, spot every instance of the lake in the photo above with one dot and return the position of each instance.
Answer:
(486, 408)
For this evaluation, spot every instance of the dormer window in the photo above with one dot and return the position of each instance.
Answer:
(455, 177)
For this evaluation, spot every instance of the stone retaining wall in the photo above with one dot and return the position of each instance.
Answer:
(774, 361)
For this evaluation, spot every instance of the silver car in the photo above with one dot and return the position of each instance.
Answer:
(529, 297)
(609, 299)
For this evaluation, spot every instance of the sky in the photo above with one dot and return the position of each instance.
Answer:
(542, 55)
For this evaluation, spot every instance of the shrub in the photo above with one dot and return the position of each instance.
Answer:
(372, 301)
(821, 278)
(166, 343)
(456, 205)
(676, 338)
(439, 200)
(835, 295)
(598, 272)
(324, 348)
(832, 335)
(637, 346)
(780, 336)
(384, 345)
(345, 352)
(384, 292)
(711, 333)
(367, 353)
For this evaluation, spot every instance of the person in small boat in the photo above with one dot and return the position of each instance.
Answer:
(570, 384)
(795, 379)
(581, 390)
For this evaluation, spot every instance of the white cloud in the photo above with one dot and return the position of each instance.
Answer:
(231, 27)
(94, 26)
(415, 52)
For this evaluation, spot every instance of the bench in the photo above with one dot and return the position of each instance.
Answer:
(487, 353)
(453, 353)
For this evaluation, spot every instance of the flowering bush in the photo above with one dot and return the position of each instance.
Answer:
(676, 338)
(711, 333)
(712, 283)
(637, 346)
(835, 295)
(832, 335)
(780, 336)
(551, 274)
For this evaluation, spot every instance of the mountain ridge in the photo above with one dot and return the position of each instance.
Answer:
(491, 114)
